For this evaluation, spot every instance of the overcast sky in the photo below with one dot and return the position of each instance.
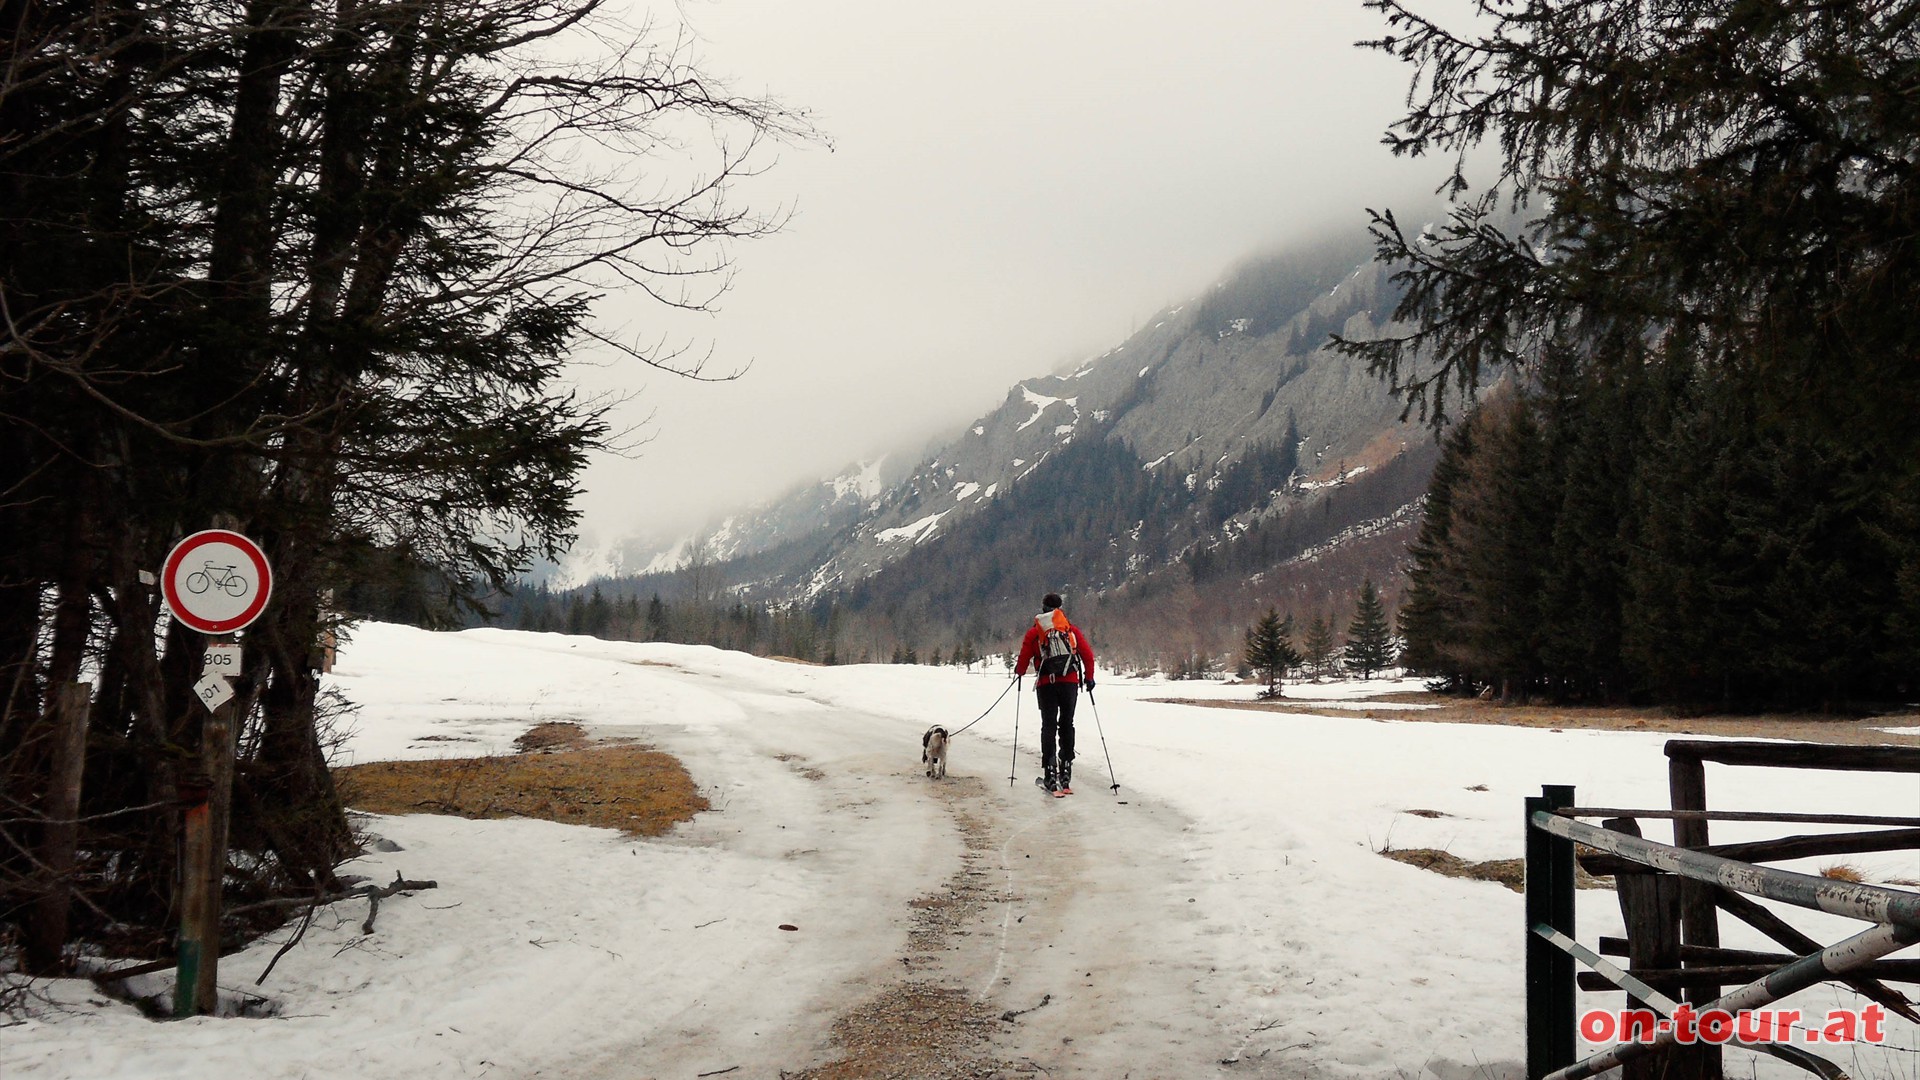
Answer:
(1010, 187)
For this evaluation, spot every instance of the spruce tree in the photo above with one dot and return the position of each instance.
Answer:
(1369, 636)
(1503, 522)
(1269, 650)
(655, 626)
(1317, 649)
(598, 616)
(1433, 612)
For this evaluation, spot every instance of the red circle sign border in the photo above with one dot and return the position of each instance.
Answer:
(200, 539)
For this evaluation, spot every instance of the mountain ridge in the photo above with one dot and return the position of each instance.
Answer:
(1203, 440)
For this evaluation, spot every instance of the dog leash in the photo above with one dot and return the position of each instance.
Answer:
(990, 708)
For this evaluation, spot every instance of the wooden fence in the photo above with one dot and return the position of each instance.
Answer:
(1671, 898)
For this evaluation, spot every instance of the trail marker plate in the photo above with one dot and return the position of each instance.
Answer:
(222, 659)
(216, 582)
(213, 691)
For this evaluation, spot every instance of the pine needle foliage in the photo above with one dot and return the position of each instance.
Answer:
(1318, 648)
(1269, 650)
(1370, 636)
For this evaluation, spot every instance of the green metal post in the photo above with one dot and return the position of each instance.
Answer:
(193, 897)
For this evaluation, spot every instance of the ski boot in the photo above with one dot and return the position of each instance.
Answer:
(1050, 780)
(1064, 774)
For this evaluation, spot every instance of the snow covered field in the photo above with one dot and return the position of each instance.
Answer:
(1225, 914)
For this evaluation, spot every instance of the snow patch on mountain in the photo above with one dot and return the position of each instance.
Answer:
(915, 532)
(1315, 485)
(1409, 513)
(589, 560)
(864, 482)
(1041, 404)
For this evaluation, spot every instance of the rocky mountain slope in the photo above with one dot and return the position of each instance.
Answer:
(1219, 442)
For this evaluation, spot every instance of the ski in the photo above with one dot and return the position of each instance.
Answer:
(1041, 783)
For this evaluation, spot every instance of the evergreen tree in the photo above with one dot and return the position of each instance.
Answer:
(655, 626)
(1433, 612)
(1584, 587)
(1269, 650)
(1317, 649)
(1754, 579)
(1502, 524)
(598, 614)
(1369, 636)
(1689, 183)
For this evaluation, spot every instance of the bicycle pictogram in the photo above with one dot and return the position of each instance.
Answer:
(221, 577)
(216, 581)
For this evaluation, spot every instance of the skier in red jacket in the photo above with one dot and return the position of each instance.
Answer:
(1062, 659)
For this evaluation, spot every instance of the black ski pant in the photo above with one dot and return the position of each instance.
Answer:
(1056, 719)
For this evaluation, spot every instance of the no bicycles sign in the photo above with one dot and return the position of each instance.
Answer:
(216, 581)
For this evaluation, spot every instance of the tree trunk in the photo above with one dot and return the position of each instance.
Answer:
(63, 727)
(46, 935)
(301, 808)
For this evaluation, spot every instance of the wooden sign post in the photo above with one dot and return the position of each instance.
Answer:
(215, 582)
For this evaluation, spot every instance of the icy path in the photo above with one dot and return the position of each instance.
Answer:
(986, 889)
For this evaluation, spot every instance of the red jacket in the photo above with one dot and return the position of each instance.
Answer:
(1030, 652)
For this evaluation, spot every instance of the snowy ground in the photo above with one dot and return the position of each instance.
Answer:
(1224, 914)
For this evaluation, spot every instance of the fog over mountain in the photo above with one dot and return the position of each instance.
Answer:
(1008, 189)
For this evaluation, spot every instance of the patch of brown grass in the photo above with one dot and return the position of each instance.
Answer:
(1509, 872)
(550, 736)
(1842, 872)
(630, 788)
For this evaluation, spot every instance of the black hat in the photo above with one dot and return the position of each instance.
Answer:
(1050, 601)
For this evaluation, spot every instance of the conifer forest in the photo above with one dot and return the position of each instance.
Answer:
(1691, 284)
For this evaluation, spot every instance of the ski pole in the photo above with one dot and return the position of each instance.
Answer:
(1014, 765)
(1097, 726)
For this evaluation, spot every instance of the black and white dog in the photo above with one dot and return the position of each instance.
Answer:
(933, 751)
